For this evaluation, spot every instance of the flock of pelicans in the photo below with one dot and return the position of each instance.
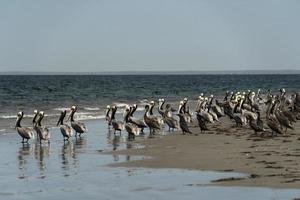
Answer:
(243, 108)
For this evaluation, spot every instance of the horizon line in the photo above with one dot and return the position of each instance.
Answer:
(154, 72)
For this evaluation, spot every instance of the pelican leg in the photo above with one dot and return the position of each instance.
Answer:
(23, 141)
(27, 141)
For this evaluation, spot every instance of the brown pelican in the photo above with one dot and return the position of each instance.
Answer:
(202, 123)
(182, 122)
(132, 129)
(159, 119)
(186, 111)
(168, 111)
(161, 111)
(117, 125)
(139, 122)
(257, 125)
(208, 117)
(272, 121)
(282, 119)
(216, 108)
(169, 119)
(107, 117)
(210, 111)
(35, 112)
(24, 132)
(152, 122)
(79, 127)
(42, 131)
(65, 129)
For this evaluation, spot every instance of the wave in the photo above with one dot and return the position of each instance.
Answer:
(91, 108)
(61, 109)
(87, 117)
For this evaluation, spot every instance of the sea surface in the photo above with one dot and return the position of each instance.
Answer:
(91, 94)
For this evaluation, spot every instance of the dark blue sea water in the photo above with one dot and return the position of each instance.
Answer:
(92, 93)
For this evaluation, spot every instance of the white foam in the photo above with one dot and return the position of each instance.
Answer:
(91, 108)
(61, 109)
(8, 116)
(86, 117)
(120, 105)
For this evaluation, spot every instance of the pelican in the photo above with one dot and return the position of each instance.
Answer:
(65, 129)
(107, 117)
(117, 125)
(202, 123)
(159, 119)
(42, 131)
(79, 127)
(161, 111)
(208, 117)
(24, 132)
(169, 119)
(282, 119)
(152, 122)
(139, 122)
(35, 112)
(132, 129)
(186, 111)
(272, 121)
(182, 122)
(257, 125)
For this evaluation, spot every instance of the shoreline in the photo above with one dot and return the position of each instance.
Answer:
(266, 161)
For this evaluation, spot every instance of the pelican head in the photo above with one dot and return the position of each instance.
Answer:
(185, 99)
(20, 114)
(152, 103)
(35, 112)
(41, 113)
(73, 108)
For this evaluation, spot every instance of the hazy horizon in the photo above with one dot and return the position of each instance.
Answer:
(137, 35)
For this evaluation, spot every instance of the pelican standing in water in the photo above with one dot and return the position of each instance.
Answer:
(24, 132)
(107, 117)
(42, 131)
(35, 112)
(65, 129)
(79, 127)
(117, 125)
(131, 128)
(152, 122)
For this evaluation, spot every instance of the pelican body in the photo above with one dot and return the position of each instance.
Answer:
(79, 127)
(65, 129)
(42, 131)
(24, 132)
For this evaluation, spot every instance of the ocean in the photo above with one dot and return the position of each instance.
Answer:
(91, 93)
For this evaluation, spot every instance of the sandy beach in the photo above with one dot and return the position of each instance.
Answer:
(267, 161)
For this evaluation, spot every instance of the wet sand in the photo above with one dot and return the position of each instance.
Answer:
(267, 161)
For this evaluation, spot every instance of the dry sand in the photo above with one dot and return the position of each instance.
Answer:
(268, 161)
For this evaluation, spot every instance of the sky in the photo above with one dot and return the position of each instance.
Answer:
(152, 35)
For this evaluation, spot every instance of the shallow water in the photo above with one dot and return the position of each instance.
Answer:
(77, 170)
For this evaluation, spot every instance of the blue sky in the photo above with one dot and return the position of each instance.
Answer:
(119, 35)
